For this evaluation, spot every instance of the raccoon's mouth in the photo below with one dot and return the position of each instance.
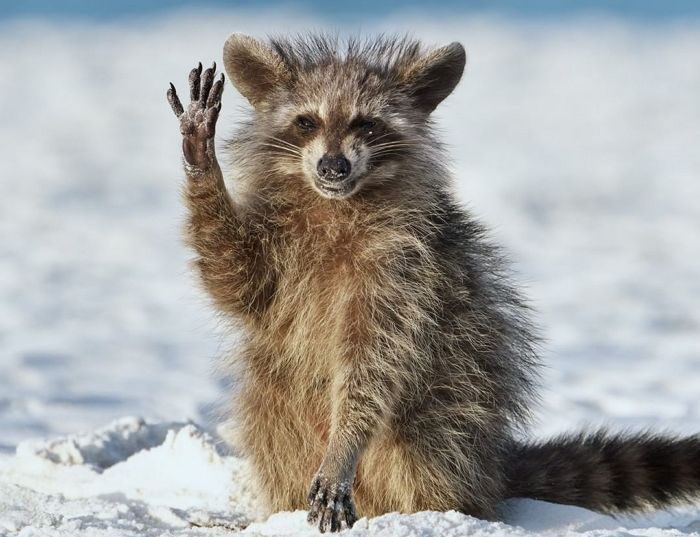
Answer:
(336, 189)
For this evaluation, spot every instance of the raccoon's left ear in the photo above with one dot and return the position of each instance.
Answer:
(433, 76)
(254, 68)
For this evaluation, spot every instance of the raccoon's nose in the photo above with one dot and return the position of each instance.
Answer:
(333, 167)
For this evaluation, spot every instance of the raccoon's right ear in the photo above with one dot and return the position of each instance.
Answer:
(254, 68)
(432, 77)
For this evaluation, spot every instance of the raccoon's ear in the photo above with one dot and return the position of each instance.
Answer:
(433, 76)
(253, 68)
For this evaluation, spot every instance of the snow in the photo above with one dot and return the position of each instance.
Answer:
(129, 475)
(137, 478)
(574, 140)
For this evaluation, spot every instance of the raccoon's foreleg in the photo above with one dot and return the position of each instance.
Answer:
(357, 412)
(354, 417)
(229, 251)
(372, 377)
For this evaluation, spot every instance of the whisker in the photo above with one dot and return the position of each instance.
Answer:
(285, 142)
(278, 151)
(287, 158)
(387, 155)
(373, 150)
(382, 136)
(402, 140)
(393, 148)
(283, 148)
(287, 146)
(395, 142)
(282, 158)
(389, 151)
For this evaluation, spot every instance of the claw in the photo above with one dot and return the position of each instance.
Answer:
(195, 78)
(174, 101)
(314, 490)
(315, 508)
(207, 79)
(350, 512)
(329, 504)
(326, 518)
(216, 92)
(335, 518)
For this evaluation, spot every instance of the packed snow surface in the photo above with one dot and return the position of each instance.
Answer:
(576, 142)
(138, 478)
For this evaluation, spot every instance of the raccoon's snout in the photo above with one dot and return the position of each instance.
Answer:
(333, 167)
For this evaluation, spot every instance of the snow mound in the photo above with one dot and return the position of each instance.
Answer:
(133, 477)
(102, 448)
(129, 475)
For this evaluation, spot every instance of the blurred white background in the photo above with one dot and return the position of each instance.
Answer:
(575, 137)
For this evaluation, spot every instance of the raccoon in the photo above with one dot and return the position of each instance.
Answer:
(387, 361)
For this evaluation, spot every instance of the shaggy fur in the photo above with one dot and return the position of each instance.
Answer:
(386, 360)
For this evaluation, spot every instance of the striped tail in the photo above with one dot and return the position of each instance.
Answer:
(610, 473)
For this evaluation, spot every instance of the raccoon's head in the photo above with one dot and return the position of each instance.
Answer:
(341, 121)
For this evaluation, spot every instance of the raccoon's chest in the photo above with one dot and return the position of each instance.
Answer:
(320, 287)
(325, 275)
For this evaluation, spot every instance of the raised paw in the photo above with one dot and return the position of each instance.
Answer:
(330, 504)
(198, 122)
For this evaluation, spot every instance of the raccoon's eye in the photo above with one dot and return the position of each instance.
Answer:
(305, 123)
(364, 125)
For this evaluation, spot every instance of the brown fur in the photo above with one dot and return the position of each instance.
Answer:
(383, 346)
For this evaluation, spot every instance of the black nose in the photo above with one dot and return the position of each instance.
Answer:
(333, 167)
